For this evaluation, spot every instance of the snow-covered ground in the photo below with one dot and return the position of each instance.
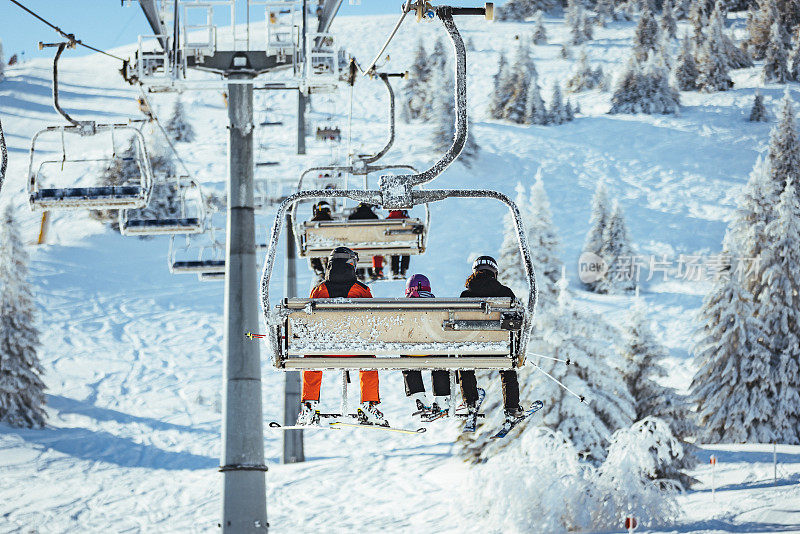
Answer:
(133, 354)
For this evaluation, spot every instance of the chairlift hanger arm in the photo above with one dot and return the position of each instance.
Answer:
(389, 142)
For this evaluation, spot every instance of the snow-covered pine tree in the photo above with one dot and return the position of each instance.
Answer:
(124, 170)
(439, 58)
(502, 88)
(698, 16)
(512, 270)
(583, 77)
(523, 9)
(712, 63)
(667, 24)
(573, 334)
(794, 59)
(178, 128)
(643, 355)
(556, 114)
(636, 457)
(22, 397)
(735, 57)
(544, 245)
(415, 91)
(783, 153)
(522, 73)
(539, 31)
(645, 88)
(685, 72)
(755, 208)
(646, 37)
(758, 113)
(759, 26)
(775, 58)
(618, 254)
(597, 224)
(779, 309)
(588, 27)
(535, 109)
(732, 388)
(577, 23)
(444, 116)
(605, 11)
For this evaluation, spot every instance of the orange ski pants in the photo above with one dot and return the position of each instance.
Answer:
(312, 380)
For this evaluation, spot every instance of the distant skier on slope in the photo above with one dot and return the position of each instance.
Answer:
(322, 212)
(364, 212)
(483, 283)
(418, 286)
(340, 281)
(399, 263)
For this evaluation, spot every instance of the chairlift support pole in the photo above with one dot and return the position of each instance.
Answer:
(301, 96)
(292, 439)
(244, 482)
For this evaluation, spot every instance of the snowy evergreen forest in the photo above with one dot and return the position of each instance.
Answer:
(653, 149)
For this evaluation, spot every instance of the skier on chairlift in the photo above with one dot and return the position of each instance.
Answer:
(321, 212)
(340, 281)
(483, 283)
(399, 263)
(364, 212)
(418, 286)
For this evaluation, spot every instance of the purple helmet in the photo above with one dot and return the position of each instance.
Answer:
(416, 284)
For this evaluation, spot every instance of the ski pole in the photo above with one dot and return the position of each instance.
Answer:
(551, 377)
(567, 361)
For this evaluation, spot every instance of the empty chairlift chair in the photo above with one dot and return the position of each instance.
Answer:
(210, 257)
(184, 196)
(67, 163)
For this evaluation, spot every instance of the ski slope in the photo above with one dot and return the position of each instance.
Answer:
(133, 354)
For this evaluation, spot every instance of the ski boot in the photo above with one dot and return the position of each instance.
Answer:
(368, 413)
(513, 417)
(421, 404)
(440, 407)
(471, 421)
(309, 413)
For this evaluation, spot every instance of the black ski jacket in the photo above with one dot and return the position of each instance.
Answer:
(364, 212)
(341, 279)
(484, 284)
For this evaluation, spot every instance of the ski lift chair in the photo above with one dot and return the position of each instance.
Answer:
(210, 257)
(382, 237)
(475, 333)
(127, 196)
(191, 218)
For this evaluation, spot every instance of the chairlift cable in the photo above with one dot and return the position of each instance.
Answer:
(62, 33)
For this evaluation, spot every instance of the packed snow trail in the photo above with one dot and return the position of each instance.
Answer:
(133, 354)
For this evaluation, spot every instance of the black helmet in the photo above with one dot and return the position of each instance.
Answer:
(485, 263)
(321, 206)
(346, 254)
(365, 206)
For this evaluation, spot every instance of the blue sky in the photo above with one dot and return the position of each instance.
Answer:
(105, 24)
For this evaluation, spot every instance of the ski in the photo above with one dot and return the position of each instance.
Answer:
(341, 424)
(471, 423)
(535, 407)
(277, 426)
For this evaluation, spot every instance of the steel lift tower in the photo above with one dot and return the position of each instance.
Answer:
(239, 63)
